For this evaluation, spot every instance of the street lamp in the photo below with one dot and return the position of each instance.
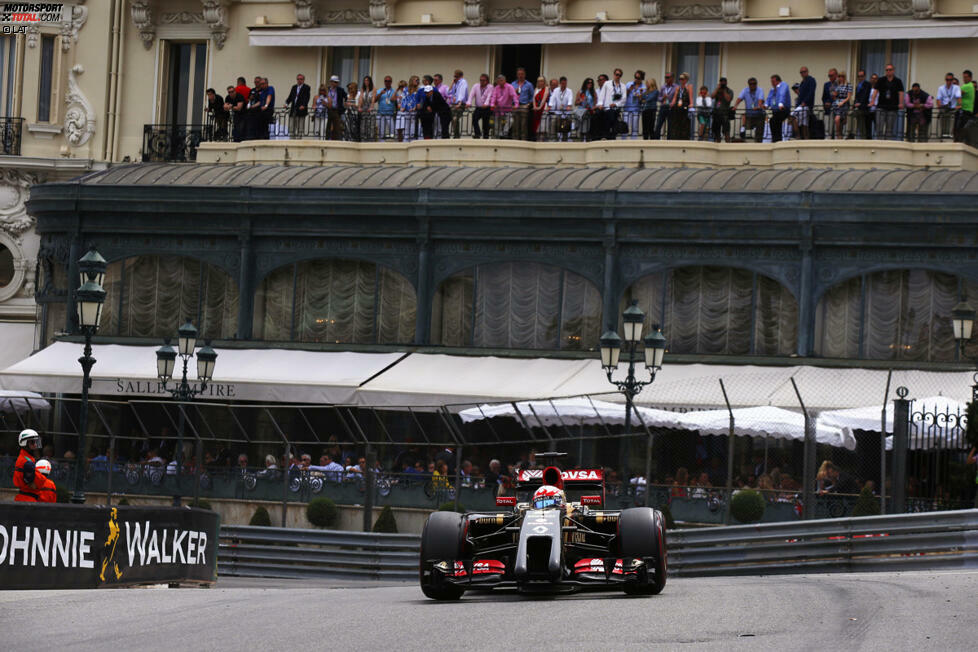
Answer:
(166, 357)
(89, 298)
(611, 346)
(962, 323)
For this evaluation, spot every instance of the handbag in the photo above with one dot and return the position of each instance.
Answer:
(621, 127)
(563, 125)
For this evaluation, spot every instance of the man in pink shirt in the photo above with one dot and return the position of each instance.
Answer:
(480, 99)
(502, 102)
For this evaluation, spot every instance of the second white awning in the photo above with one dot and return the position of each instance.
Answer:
(362, 35)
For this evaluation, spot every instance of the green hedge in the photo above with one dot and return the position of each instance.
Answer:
(322, 512)
(867, 504)
(386, 521)
(450, 507)
(261, 517)
(747, 506)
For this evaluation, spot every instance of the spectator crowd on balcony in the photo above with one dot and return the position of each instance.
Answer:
(602, 108)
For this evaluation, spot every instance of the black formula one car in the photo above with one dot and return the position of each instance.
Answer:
(552, 536)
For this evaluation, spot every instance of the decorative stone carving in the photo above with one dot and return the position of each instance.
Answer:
(733, 10)
(182, 18)
(515, 15)
(380, 14)
(347, 16)
(216, 17)
(922, 8)
(14, 191)
(70, 29)
(650, 11)
(551, 11)
(836, 10)
(80, 116)
(142, 19)
(33, 34)
(474, 12)
(305, 13)
(880, 8)
(694, 12)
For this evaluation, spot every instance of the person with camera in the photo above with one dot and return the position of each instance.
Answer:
(722, 100)
(611, 98)
(560, 107)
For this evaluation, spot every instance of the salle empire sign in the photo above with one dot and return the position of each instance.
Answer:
(55, 546)
(153, 388)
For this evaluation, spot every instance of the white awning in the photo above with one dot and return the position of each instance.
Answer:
(339, 35)
(573, 411)
(935, 422)
(22, 402)
(263, 375)
(849, 30)
(431, 380)
(764, 421)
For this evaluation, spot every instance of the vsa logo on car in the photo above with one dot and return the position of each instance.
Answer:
(578, 475)
(581, 475)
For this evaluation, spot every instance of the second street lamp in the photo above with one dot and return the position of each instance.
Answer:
(611, 349)
(89, 299)
(166, 357)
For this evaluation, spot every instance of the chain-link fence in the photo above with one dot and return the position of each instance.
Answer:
(808, 439)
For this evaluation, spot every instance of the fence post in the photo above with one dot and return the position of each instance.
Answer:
(368, 490)
(286, 469)
(108, 486)
(808, 459)
(458, 474)
(901, 425)
(730, 455)
(882, 487)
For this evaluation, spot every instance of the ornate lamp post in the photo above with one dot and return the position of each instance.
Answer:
(963, 323)
(611, 345)
(166, 358)
(89, 298)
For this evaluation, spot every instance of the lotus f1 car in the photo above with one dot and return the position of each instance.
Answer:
(552, 536)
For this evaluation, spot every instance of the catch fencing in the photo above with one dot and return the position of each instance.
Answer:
(244, 451)
(252, 551)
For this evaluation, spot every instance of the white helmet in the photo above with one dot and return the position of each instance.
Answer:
(28, 435)
(43, 467)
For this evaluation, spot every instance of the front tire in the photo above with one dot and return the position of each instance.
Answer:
(441, 540)
(642, 533)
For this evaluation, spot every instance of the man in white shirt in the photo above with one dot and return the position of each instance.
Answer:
(332, 470)
(611, 97)
(458, 94)
(948, 102)
(560, 106)
(479, 100)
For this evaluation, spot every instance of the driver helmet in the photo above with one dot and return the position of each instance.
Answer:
(43, 467)
(27, 436)
(548, 497)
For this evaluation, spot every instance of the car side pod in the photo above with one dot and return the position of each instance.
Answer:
(538, 554)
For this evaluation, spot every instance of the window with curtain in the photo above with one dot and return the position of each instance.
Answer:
(350, 63)
(701, 61)
(340, 301)
(150, 296)
(44, 83)
(720, 310)
(892, 315)
(874, 55)
(8, 59)
(519, 306)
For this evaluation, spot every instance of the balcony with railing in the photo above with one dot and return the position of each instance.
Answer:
(10, 135)
(179, 142)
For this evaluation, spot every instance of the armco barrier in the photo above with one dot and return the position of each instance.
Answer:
(931, 540)
(252, 551)
(910, 541)
(81, 547)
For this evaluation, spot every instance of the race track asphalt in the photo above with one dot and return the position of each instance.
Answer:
(867, 611)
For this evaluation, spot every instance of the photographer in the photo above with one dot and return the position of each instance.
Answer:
(611, 97)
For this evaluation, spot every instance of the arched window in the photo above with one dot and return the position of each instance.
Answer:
(890, 315)
(344, 301)
(721, 310)
(519, 306)
(150, 296)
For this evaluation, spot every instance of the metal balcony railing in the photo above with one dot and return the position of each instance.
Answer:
(10, 135)
(178, 142)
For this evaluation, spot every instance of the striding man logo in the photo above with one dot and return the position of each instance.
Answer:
(110, 543)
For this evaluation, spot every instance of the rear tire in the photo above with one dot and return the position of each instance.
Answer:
(642, 533)
(440, 540)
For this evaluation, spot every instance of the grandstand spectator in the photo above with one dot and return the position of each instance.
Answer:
(540, 98)
(948, 103)
(918, 106)
(779, 101)
(722, 98)
(805, 101)
(524, 96)
(560, 109)
(667, 101)
(650, 103)
(753, 98)
(584, 108)
(480, 100)
(298, 105)
(890, 99)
